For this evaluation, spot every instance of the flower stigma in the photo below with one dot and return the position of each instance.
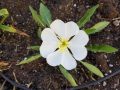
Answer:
(63, 44)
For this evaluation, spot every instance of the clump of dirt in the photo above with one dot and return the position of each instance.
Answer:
(38, 74)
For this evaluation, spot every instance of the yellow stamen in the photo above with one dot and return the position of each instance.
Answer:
(63, 44)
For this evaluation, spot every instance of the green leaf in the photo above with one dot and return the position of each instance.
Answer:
(4, 12)
(68, 76)
(93, 69)
(97, 27)
(36, 17)
(34, 48)
(30, 59)
(102, 48)
(45, 14)
(8, 28)
(87, 16)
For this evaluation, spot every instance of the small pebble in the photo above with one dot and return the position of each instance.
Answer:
(110, 65)
(78, 72)
(105, 56)
(106, 74)
(74, 5)
(1, 52)
(104, 83)
(108, 60)
(116, 22)
(110, 71)
(108, 38)
(87, 6)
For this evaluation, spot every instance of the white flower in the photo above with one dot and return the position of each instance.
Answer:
(63, 44)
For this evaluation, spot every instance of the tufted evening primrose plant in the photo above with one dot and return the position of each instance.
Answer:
(65, 44)
(4, 14)
(59, 40)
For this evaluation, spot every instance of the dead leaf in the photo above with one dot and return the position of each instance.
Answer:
(20, 32)
(4, 65)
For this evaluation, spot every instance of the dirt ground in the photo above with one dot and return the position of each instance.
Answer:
(13, 47)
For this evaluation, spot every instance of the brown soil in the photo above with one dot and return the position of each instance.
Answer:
(13, 47)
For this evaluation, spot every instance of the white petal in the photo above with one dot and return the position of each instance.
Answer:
(78, 52)
(59, 27)
(71, 29)
(47, 48)
(80, 39)
(54, 59)
(49, 36)
(68, 62)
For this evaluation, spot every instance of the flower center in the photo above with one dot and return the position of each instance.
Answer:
(63, 44)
